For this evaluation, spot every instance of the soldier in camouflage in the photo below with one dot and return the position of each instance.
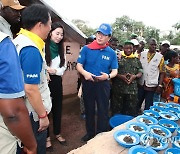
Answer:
(124, 86)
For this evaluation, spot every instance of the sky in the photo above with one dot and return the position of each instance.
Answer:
(161, 14)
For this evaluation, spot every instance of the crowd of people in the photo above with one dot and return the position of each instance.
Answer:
(139, 75)
(115, 79)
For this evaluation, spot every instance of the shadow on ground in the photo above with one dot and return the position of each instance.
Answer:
(73, 127)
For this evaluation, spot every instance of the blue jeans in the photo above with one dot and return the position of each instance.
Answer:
(40, 136)
(157, 97)
(145, 95)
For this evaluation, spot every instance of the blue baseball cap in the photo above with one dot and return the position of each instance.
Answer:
(105, 29)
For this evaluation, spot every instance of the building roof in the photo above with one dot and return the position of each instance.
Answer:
(71, 30)
(53, 7)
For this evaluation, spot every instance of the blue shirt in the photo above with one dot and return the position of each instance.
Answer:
(11, 81)
(31, 64)
(97, 61)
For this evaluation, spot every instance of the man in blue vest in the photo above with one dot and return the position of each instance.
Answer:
(14, 119)
(30, 45)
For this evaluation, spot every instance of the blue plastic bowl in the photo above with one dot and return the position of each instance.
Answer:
(172, 150)
(178, 131)
(147, 120)
(174, 105)
(168, 115)
(178, 115)
(157, 108)
(160, 104)
(119, 119)
(120, 134)
(140, 149)
(146, 141)
(168, 124)
(151, 113)
(173, 110)
(176, 142)
(166, 132)
(130, 126)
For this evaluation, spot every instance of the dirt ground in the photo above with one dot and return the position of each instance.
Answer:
(73, 127)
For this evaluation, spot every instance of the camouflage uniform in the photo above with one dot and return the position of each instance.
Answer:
(124, 96)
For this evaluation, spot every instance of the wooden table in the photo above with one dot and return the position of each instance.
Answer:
(104, 143)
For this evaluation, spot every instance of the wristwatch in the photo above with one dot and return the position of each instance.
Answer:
(109, 77)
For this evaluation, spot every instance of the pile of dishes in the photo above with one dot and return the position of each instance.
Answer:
(153, 130)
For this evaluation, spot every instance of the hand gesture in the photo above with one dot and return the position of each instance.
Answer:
(130, 77)
(51, 70)
(43, 124)
(89, 76)
(102, 77)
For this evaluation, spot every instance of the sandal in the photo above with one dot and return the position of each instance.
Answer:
(49, 145)
(61, 140)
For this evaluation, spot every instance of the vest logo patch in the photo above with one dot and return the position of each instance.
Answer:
(155, 60)
(31, 75)
(105, 57)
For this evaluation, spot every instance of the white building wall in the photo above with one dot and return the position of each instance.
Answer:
(70, 77)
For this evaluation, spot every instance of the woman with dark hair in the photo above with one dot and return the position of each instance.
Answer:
(56, 63)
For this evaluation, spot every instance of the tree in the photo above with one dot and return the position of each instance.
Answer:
(123, 28)
(151, 32)
(82, 25)
(176, 26)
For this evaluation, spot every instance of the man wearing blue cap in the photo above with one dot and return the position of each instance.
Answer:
(97, 62)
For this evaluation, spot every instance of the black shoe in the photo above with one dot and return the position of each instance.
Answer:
(86, 138)
(61, 140)
(50, 149)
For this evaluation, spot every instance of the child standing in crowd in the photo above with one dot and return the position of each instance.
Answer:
(172, 71)
(124, 88)
(56, 62)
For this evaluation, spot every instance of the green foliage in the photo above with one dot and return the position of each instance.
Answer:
(176, 39)
(82, 25)
(176, 26)
(124, 26)
(151, 32)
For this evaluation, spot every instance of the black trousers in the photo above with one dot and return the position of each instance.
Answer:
(96, 93)
(55, 86)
